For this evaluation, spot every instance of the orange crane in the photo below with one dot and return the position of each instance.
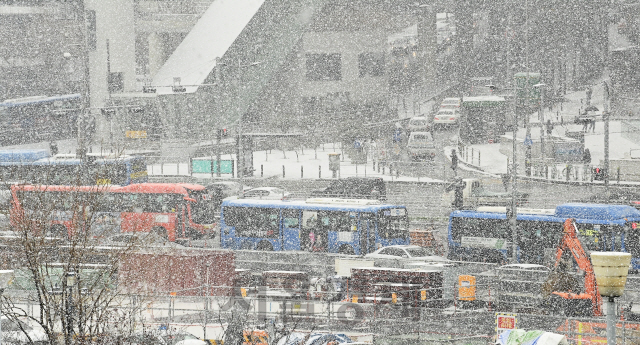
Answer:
(571, 242)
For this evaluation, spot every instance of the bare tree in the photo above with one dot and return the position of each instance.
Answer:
(68, 278)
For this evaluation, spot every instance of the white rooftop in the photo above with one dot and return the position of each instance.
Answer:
(211, 37)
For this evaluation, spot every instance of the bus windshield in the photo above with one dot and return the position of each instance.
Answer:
(202, 211)
(394, 223)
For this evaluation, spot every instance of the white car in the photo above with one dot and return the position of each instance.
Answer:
(225, 189)
(421, 145)
(266, 193)
(446, 117)
(451, 103)
(418, 124)
(13, 332)
(406, 252)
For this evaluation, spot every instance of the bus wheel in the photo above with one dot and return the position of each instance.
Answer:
(265, 246)
(160, 231)
(58, 231)
(346, 249)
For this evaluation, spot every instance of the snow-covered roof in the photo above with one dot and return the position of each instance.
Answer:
(211, 37)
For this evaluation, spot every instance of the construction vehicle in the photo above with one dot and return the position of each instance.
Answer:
(574, 303)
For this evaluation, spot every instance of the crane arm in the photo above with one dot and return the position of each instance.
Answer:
(571, 242)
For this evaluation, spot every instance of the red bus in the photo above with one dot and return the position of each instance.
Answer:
(172, 210)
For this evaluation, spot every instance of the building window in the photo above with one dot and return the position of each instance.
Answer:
(324, 67)
(371, 64)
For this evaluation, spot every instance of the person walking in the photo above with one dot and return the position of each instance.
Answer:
(592, 125)
(454, 161)
(549, 127)
(586, 160)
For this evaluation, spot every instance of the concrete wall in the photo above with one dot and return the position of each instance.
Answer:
(115, 23)
(349, 45)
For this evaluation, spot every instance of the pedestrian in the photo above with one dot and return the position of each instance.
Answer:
(454, 160)
(549, 127)
(592, 124)
(586, 160)
(506, 179)
(586, 156)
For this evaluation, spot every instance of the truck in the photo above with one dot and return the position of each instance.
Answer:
(474, 195)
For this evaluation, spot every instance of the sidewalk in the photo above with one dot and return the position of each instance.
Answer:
(489, 159)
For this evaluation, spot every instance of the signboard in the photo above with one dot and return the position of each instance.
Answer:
(203, 166)
(136, 134)
(568, 151)
(505, 321)
(484, 242)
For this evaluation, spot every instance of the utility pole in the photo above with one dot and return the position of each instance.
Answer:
(218, 88)
(605, 116)
(514, 186)
(84, 112)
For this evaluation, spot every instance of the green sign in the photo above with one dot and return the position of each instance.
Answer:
(203, 166)
(524, 85)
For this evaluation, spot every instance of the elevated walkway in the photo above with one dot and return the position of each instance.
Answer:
(227, 59)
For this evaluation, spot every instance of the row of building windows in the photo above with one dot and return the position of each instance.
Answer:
(328, 67)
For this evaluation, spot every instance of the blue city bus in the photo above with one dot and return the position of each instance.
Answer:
(321, 224)
(39, 118)
(38, 167)
(485, 234)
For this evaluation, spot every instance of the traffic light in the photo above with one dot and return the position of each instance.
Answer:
(598, 174)
(223, 132)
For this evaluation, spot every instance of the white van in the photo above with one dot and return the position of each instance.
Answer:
(419, 124)
(451, 103)
(421, 145)
(446, 116)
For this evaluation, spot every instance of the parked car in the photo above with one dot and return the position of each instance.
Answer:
(451, 103)
(406, 252)
(266, 193)
(218, 191)
(419, 124)
(225, 189)
(421, 145)
(447, 116)
(355, 188)
(20, 332)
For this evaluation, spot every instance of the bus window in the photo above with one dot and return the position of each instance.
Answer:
(594, 237)
(290, 219)
(477, 227)
(391, 226)
(262, 223)
(309, 228)
(632, 241)
(537, 237)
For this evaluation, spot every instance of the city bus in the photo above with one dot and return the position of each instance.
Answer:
(174, 211)
(485, 234)
(346, 226)
(39, 118)
(37, 166)
(483, 120)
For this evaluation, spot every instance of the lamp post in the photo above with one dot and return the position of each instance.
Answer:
(6, 278)
(540, 88)
(70, 282)
(611, 269)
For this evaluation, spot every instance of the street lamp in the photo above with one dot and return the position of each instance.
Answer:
(611, 269)
(6, 278)
(71, 282)
(540, 87)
